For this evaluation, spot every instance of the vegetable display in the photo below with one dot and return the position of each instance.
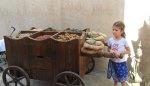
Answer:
(94, 42)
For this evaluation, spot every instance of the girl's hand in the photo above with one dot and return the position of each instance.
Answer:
(117, 55)
(111, 51)
(121, 55)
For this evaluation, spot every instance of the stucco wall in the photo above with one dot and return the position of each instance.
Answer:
(98, 15)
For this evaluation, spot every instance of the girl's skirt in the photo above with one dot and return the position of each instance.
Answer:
(118, 71)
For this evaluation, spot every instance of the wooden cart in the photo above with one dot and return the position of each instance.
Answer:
(57, 62)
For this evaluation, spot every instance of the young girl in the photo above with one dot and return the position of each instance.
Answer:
(117, 67)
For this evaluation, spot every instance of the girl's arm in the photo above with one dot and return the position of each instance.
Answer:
(110, 50)
(127, 51)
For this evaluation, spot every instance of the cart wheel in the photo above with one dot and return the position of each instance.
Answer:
(68, 78)
(91, 65)
(15, 76)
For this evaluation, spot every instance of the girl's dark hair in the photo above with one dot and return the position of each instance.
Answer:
(121, 26)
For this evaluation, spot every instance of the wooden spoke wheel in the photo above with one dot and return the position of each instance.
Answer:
(91, 65)
(15, 76)
(68, 78)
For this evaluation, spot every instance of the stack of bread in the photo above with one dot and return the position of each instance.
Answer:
(94, 42)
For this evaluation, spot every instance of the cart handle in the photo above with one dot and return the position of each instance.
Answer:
(12, 31)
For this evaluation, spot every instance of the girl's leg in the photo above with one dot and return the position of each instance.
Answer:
(123, 83)
(115, 83)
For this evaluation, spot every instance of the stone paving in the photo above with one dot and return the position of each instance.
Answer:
(92, 79)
